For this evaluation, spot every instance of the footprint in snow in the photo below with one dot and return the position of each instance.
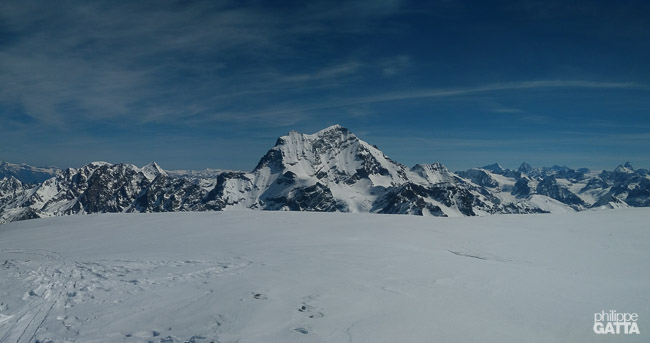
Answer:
(310, 311)
(302, 330)
(258, 296)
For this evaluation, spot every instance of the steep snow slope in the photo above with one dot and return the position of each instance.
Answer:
(347, 169)
(316, 277)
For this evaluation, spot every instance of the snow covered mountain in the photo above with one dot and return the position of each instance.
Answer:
(330, 170)
(332, 166)
(564, 187)
(26, 173)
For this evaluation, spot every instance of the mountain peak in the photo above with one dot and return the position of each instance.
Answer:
(435, 172)
(331, 130)
(152, 166)
(430, 166)
(99, 164)
(333, 155)
(494, 167)
(525, 168)
(333, 127)
(627, 168)
(152, 170)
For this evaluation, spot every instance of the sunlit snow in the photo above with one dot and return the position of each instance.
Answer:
(256, 276)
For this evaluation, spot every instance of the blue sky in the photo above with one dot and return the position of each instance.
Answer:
(212, 84)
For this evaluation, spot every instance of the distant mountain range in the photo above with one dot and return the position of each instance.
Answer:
(331, 170)
(26, 173)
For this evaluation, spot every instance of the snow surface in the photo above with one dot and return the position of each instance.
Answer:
(254, 276)
(548, 204)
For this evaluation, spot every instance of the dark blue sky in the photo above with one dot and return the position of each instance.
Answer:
(212, 84)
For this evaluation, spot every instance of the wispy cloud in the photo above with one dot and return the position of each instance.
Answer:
(128, 63)
(495, 87)
(296, 111)
(165, 60)
(499, 108)
(394, 65)
(516, 113)
(329, 72)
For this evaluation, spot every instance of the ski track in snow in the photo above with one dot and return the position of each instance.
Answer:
(53, 286)
(315, 277)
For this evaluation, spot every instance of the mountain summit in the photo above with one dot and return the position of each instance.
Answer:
(333, 161)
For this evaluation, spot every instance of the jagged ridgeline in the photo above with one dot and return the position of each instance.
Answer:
(331, 170)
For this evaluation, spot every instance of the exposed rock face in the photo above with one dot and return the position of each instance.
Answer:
(552, 189)
(521, 188)
(480, 177)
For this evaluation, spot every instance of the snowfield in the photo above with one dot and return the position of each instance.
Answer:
(256, 276)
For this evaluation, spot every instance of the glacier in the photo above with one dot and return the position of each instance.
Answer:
(268, 276)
